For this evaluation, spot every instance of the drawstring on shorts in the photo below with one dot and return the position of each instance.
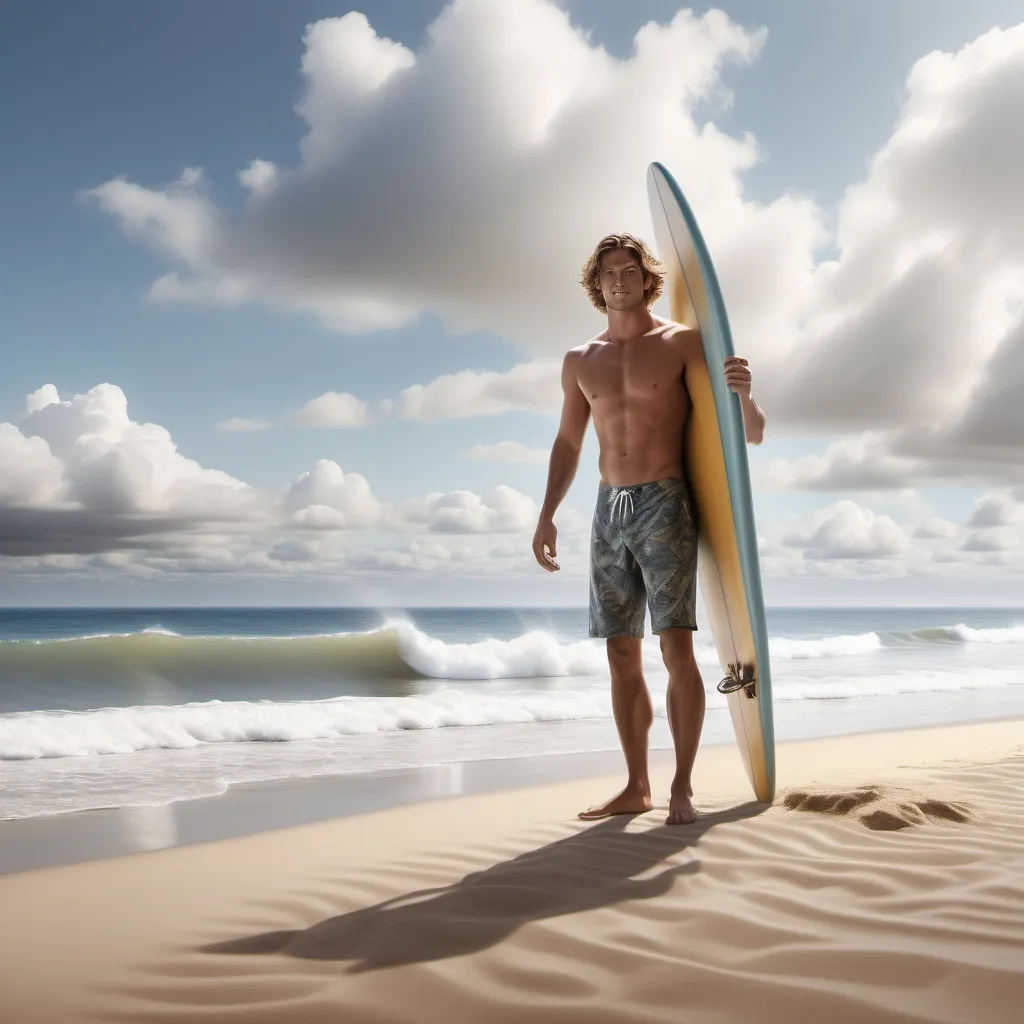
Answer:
(619, 498)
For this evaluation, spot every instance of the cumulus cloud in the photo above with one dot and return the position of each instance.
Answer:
(935, 528)
(80, 475)
(996, 539)
(334, 409)
(501, 510)
(326, 498)
(996, 509)
(259, 176)
(508, 451)
(534, 386)
(84, 487)
(852, 463)
(421, 174)
(847, 530)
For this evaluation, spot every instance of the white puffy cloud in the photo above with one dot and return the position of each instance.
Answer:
(30, 474)
(859, 462)
(326, 498)
(334, 409)
(533, 386)
(508, 451)
(997, 509)
(935, 528)
(110, 463)
(260, 176)
(79, 475)
(847, 530)
(501, 510)
(992, 539)
(86, 490)
(438, 180)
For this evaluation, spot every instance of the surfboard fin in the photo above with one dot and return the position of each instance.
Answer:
(740, 677)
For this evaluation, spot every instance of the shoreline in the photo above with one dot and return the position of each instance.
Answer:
(252, 808)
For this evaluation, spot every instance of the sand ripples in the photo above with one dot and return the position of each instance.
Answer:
(888, 901)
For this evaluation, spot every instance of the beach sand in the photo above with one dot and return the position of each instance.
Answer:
(886, 883)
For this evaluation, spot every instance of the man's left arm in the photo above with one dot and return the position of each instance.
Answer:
(738, 378)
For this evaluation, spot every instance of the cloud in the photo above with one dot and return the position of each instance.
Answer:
(421, 174)
(326, 498)
(87, 490)
(508, 451)
(851, 463)
(847, 530)
(534, 386)
(260, 176)
(996, 509)
(502, 510)
(243, 425)
(935, 528)
(80, 475)
(338, 410)
(992, 540)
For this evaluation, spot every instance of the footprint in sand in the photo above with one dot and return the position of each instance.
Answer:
(881, 808)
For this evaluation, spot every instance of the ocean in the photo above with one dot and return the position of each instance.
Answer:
(144, 707)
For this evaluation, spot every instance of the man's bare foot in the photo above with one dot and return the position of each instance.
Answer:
(680, 807)
(629, 801)
(681, 811)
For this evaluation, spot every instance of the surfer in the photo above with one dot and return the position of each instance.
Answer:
(632, 378)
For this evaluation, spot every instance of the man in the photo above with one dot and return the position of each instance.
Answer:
(632, 379)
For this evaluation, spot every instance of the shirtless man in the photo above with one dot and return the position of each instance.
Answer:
(632, 378)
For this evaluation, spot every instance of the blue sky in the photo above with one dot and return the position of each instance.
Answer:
(768, 114)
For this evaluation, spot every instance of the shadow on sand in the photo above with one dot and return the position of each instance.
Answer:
(590, 869)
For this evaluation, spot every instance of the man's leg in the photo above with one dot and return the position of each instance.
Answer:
(685, 703)
(631, 705)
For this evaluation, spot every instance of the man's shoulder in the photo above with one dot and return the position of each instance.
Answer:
(672, 330)
(579, 351)
(684, 339)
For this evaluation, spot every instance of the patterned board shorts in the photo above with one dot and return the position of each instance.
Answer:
(643, 544)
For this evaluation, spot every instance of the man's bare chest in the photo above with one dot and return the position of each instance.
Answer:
(615, 375)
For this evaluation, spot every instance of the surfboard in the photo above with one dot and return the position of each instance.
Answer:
(719, 478)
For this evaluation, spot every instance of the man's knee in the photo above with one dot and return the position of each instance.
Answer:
(624, 653)
(677, 648)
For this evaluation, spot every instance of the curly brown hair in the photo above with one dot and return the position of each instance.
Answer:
(653, 271)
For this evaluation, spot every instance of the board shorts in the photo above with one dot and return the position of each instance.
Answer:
(643, 550)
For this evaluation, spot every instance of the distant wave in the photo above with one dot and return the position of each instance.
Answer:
(965, 634)
(397, 651)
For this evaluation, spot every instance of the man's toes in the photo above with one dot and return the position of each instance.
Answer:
(681, 817)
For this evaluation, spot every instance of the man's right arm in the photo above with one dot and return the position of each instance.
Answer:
(565, 458)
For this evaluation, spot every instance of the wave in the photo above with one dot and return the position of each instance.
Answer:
(965, 634)
(30, 735)
(398, 651)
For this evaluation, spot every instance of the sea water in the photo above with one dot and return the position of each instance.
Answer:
(143, 707)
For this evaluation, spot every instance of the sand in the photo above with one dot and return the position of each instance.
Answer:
(886, 883)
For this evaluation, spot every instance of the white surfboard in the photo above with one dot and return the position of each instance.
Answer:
(719, 476)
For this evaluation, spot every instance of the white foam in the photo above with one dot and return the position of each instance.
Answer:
(532, 655)
(41, 734)
(1008, 635)
(539, 654)
(786, 649)
(895, 683)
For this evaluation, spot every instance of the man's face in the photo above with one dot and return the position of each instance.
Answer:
(622, 280)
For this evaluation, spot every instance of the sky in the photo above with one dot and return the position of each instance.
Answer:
(287, 287)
